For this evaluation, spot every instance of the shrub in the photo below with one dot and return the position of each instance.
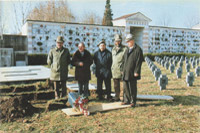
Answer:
(37, 59)
(161, 55)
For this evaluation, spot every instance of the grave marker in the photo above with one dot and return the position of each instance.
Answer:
(179, 72)
(162, 82)
(190, 79)
(171, 68)
(197, 71)
(187, 67)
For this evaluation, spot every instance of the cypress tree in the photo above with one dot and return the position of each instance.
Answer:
(107, 18)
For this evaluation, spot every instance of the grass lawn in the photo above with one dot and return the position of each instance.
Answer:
(181, 115)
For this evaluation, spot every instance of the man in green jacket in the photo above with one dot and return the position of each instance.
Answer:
(59, 59)
(117, 56)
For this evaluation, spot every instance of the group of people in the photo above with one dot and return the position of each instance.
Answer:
(122, 64)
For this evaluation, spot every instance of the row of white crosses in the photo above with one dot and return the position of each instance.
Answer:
(173, 62)
(162, 79)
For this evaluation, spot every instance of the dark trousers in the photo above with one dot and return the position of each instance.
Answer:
(57, 86)
(117, 88)
(130, 91)
(107, 83)
(83, 88)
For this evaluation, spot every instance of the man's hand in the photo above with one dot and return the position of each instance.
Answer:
(81, 64)
(136, 74)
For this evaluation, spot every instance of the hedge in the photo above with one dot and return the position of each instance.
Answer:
(37, 59)
(41, 59)
(161, 55)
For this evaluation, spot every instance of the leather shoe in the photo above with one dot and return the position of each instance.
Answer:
(132, 105)
(124, 103)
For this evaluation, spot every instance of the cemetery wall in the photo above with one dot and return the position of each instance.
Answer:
(42, 37)
(173, 40)
(13, 50)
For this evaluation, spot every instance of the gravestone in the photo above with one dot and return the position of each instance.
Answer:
(186, 61)
(163, 63)
(187, 67)
(93, 68)
(153, 67)
(179, 72)
(157, 73)
(186, 58)
(175, 62)
(171, 68)
(182, 58)
(193, 64)
(191, 59)
(197, 62)
(162, 82)
(197, 71)
(180, 64)
(171, 61)
(189, 78)
(167, 65)
(177, 58)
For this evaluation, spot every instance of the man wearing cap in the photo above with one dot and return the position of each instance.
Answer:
(133, 59)
(103, 62)
(82, 59)
(117, 64)
(59, 59)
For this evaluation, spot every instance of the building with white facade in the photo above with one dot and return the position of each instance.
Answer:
(152, 39)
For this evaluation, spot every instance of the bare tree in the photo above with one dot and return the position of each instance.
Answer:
(52, 11)
(90, 18)
(1, 25)
(192, 20)
(21, 11)
(164, 19)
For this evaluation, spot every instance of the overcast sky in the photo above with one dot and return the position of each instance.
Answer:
(177, 12)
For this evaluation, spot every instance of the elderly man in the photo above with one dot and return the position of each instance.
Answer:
(59, 59)
(117, 64)
(133, 59)
(82, 59)
(103, 62)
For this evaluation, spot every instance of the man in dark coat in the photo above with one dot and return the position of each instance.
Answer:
(82, 59)
(59, 59)
(103, 62)
(133, 59)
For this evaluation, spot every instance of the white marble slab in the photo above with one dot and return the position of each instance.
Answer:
(24, 73)
(74, 87)
(151, 97)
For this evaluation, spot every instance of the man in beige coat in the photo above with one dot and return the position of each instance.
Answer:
(59, 59)
(117, 56)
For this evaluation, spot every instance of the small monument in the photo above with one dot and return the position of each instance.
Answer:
(179, 72)
(171, 68)
(190, 79)
(162, 82)
(167, 65)
(187, 67)
(193, 64)
(180, 63)
(157, 73)
(197, 71)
